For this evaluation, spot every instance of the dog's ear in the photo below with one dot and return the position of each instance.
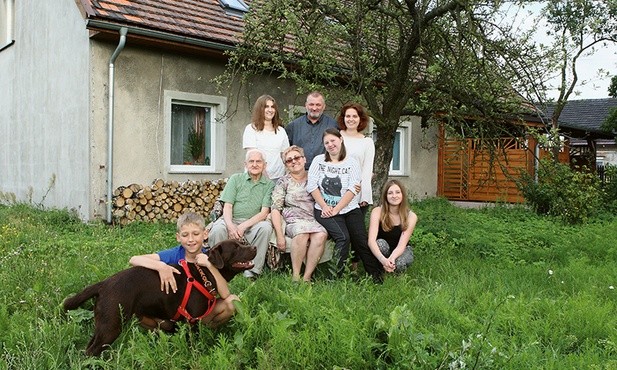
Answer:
(214, 255)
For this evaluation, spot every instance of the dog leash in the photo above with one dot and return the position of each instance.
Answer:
(191, 282)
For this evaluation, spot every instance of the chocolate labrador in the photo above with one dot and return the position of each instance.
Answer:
(136, 291)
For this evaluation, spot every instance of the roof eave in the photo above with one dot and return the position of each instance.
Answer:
(166, 37)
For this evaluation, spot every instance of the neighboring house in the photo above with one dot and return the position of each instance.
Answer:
(469, 172)
(581, 120)
(98, 94)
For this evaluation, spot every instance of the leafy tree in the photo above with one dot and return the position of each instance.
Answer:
(610, 123)
(577, 28)
(612, 89)
(449, 61)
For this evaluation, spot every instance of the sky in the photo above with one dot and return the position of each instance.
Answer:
(597, 87)
(591, 84)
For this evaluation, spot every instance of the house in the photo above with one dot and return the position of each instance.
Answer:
(92, 91)
(582, 120)
(469, 172)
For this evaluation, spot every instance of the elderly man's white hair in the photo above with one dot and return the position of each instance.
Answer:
(254, 150)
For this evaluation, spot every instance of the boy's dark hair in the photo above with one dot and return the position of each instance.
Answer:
(190, 218)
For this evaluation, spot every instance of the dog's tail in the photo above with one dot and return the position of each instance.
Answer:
(78, 299)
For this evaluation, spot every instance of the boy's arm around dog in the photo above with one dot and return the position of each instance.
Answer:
(166, 272)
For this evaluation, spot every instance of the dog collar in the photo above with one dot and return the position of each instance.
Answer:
(190, 283)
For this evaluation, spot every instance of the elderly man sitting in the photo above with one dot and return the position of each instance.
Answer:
(247, 198)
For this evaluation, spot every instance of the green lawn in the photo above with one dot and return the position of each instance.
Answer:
(496, 288)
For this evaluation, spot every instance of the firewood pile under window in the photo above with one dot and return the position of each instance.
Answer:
(164, 201)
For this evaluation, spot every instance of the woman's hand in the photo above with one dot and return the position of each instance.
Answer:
(391, 262)
(281, 243)
(327, 212)
(387, 264)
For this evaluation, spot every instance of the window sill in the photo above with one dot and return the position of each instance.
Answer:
(7, 45)
(194, 170)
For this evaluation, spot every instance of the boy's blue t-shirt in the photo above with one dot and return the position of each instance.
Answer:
(175, 254)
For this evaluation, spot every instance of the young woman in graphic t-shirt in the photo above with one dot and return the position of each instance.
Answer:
(332, 181)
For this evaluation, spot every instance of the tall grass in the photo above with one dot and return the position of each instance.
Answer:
(495, 288)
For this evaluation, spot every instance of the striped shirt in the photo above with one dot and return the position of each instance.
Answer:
(333, 180)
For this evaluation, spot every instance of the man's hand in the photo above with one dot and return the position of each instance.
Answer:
(232, 231)
(166, 274)
(241, 230)
(203, 260)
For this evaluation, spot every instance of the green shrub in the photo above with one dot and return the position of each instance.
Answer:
(573, 196)
(610, 188)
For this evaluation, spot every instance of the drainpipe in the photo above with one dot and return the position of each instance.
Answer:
(110, 123)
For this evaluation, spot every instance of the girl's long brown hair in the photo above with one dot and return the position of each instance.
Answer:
(258, 116)
(343, 153)
(403, 208)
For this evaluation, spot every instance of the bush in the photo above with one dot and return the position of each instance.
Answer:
(573, 196)
(610, 188)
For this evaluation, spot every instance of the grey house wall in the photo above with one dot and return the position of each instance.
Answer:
(142, 77)
(422, 180)
(44, 107)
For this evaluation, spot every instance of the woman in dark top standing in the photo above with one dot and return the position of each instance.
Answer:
(390, 228)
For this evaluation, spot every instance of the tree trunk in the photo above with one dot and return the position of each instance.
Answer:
(384, 144)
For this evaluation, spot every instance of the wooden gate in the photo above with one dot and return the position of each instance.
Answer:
(468, 170)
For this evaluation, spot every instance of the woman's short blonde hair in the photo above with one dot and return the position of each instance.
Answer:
(293, 148)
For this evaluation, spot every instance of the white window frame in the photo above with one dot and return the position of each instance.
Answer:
(218, 104)
(404, 131)
(7, 23)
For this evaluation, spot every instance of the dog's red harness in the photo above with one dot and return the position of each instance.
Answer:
(210, 293)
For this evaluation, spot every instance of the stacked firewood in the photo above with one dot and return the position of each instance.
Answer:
(164, 201)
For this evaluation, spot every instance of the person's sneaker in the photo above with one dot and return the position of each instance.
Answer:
(249, 274)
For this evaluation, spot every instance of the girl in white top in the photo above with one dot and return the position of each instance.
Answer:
(267, 134)
(352, 120)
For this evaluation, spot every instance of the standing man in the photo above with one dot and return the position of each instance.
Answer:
(307, 130)
(247, 198)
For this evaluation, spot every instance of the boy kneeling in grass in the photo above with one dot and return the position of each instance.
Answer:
(191, 234)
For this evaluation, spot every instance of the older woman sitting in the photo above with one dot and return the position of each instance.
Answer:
(293, 204)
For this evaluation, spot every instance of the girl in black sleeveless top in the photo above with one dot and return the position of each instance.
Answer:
(390, 228)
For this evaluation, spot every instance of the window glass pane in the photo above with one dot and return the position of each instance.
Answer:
(191, 135)
(238, 5)
(396, 152)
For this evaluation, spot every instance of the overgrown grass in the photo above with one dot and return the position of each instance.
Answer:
(496, 288)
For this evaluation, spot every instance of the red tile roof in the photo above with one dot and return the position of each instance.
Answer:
(200, 19)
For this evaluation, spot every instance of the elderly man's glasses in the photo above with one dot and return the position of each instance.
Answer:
(293, 159)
